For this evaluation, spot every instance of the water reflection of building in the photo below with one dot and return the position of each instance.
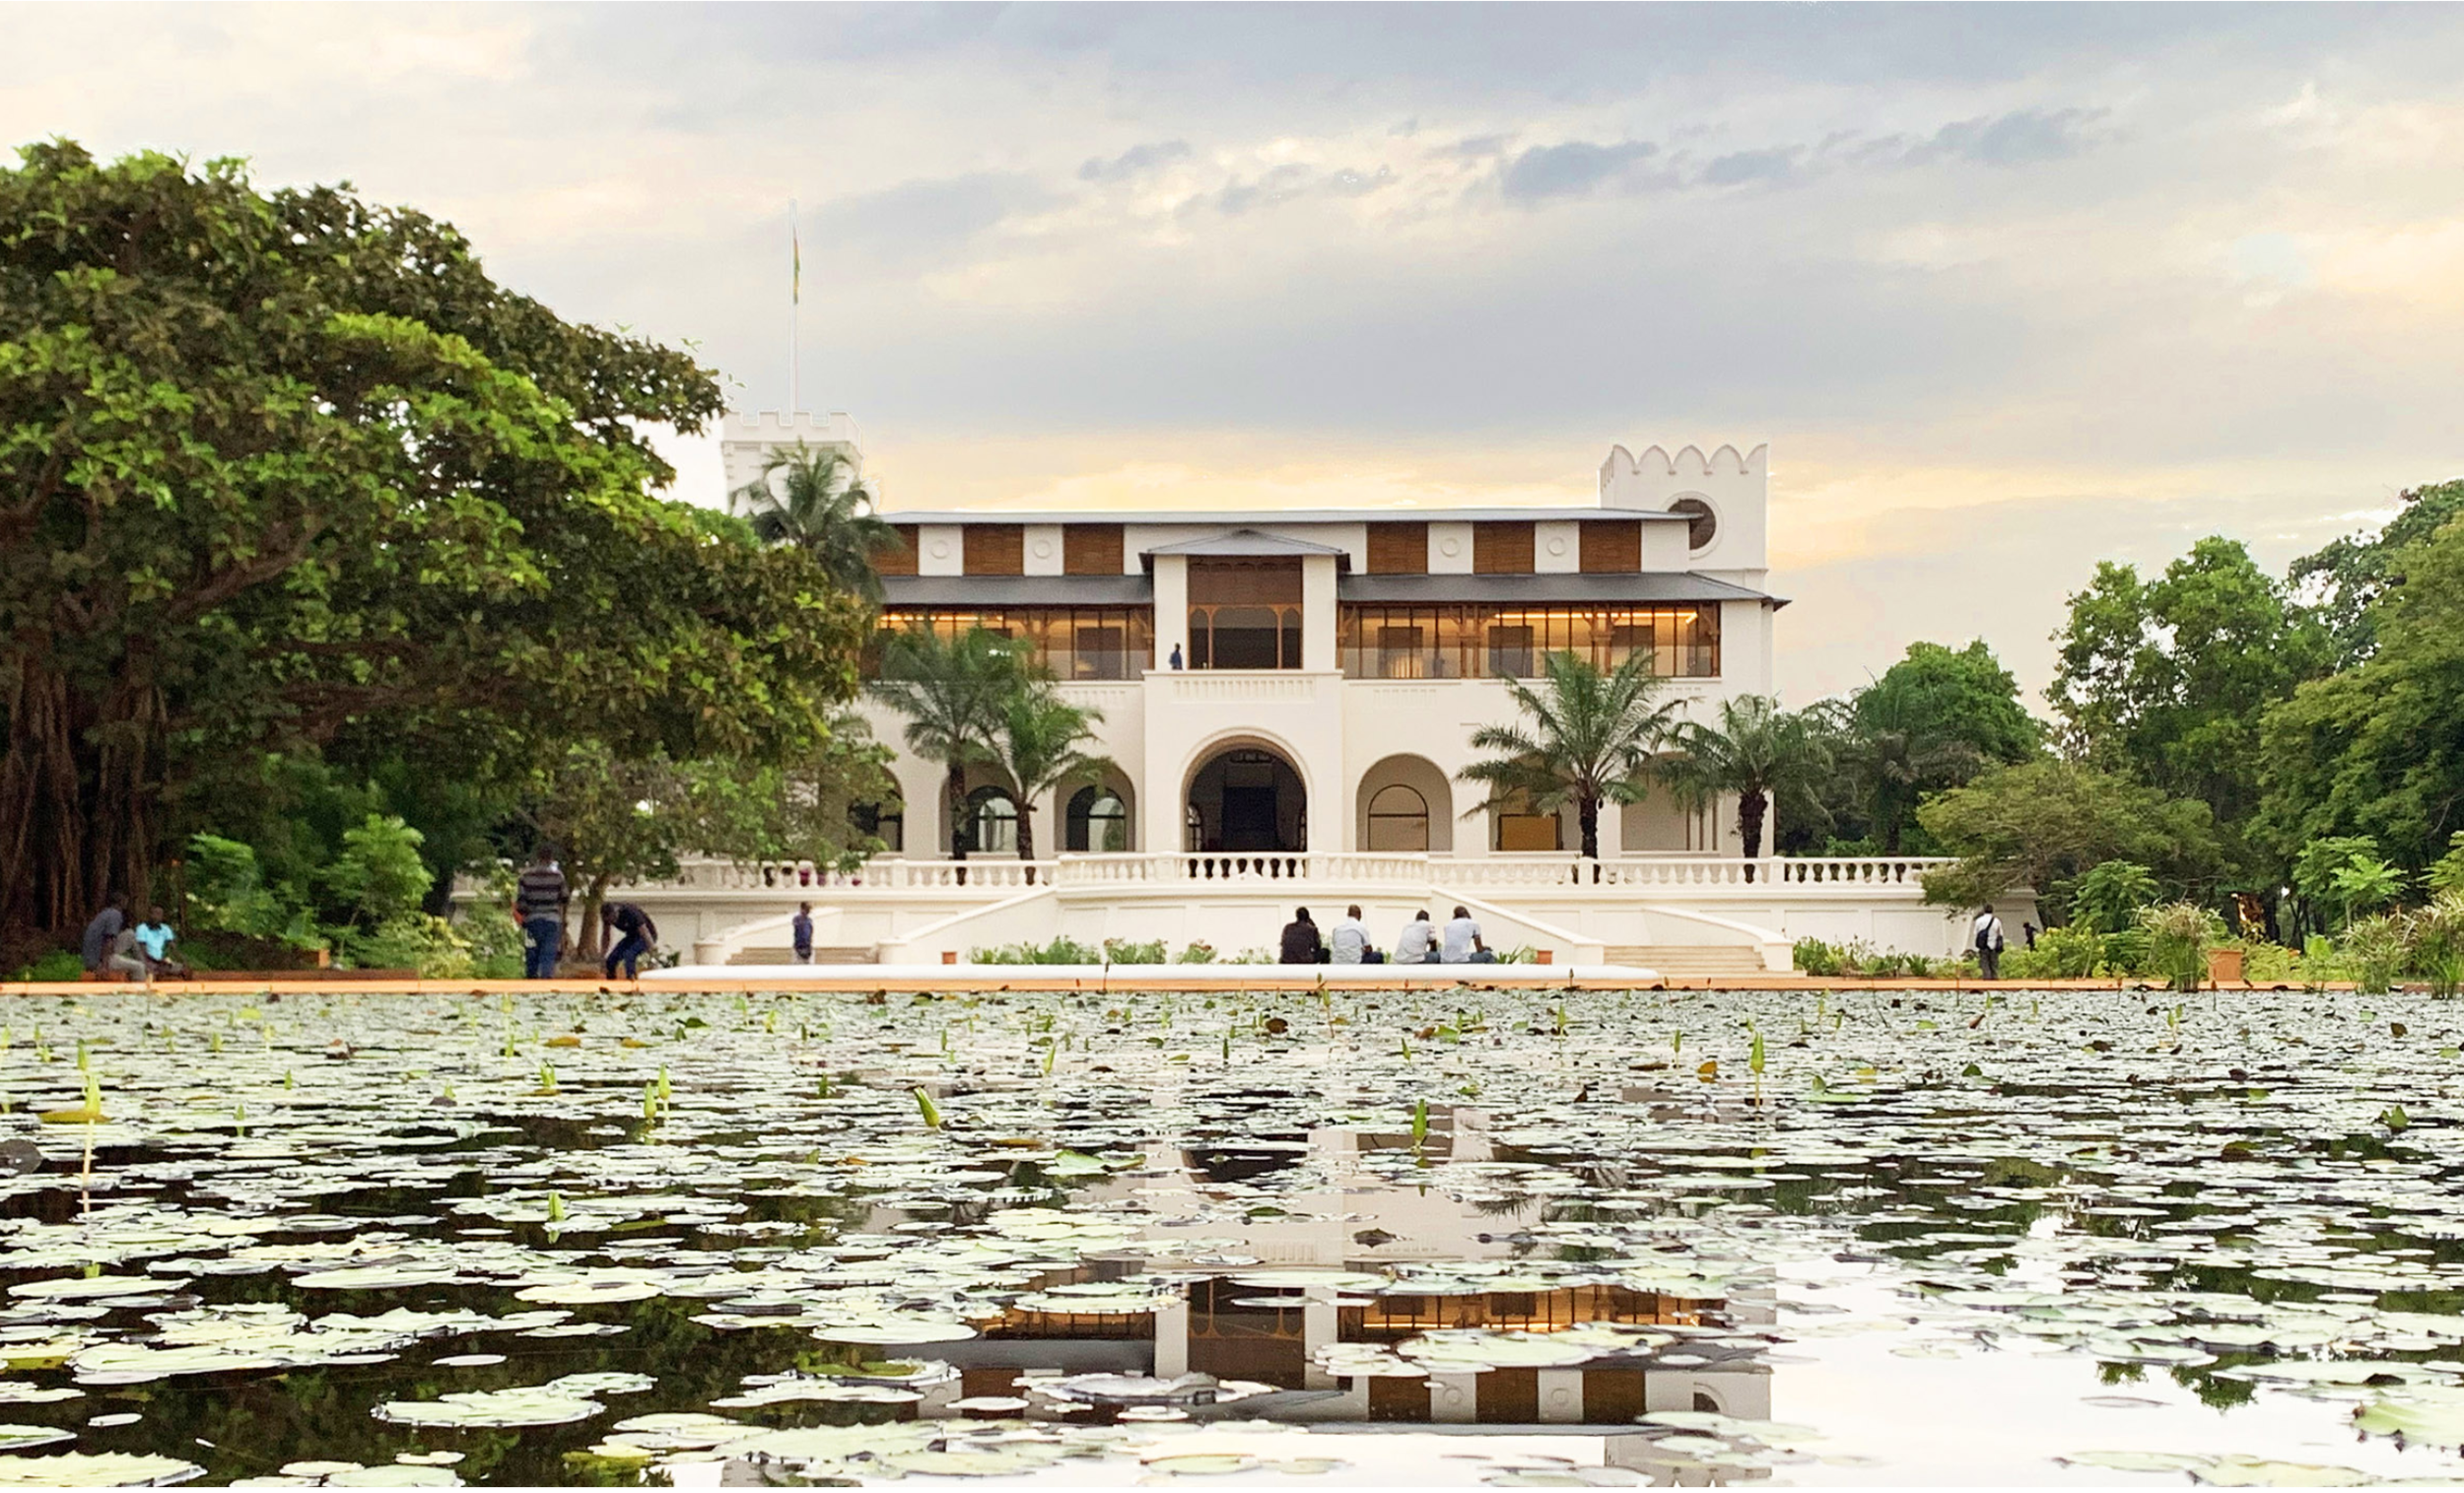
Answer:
(1355, 1218)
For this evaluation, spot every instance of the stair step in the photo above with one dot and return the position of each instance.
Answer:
(1690, 959)
(853, 952)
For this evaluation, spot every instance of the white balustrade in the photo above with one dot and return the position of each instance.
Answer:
(1242, 685)
(1849, 876)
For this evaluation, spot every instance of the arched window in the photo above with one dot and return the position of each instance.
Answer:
(991, 822)
(1098, 821)
(1398, 819)
(886, 824)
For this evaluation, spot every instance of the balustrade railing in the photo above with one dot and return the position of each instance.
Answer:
(1652, 873)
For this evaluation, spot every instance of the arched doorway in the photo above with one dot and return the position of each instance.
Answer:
(1405, 804)
(1248, 798)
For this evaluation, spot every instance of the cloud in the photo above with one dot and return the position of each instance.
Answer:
(1746, 167)
(1136, 161)
(1571, 170)
(2022, 137)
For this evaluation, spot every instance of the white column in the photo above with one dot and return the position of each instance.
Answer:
(1172, 609)
(1316, 613)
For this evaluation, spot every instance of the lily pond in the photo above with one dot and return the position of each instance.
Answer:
(1470, 1237)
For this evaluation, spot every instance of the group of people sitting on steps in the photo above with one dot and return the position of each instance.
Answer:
(1421, 941)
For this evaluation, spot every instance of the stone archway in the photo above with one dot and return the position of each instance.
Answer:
(1245, 798)
(1405, 803)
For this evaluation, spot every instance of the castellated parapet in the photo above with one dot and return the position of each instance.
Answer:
(747, 442)
(1734, 485)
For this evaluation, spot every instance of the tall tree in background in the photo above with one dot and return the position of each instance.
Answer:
(1766, 756)
(2167, 680)
(813, 500)
(955, 692)
(286, 471)
(2378, 749)
(2351, 575)
(1933, 720)
(2041, 824)
(1584, 737)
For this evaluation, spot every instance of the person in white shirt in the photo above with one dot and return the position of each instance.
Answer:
(1463, 941)
(1350, 940)
(1418, 943)
(1986, 934)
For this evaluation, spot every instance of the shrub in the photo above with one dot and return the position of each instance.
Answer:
(1125, 951)
(418, 941)
(495, 942)
(2178, 937)
(59, 964)
(228, 894)
(2375, 951)
(1199, 952)
(2124, 953)
(1064, 949)
(2106, 897)
(2438, 941)
(379, 877)
(1814, 957)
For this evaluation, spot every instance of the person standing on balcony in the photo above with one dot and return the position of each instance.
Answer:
(1418, 941)
(1301, 943)
(540, 898)
(800, 932)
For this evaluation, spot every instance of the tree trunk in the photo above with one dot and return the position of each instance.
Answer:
(1026, 832)
(954, 790)
(1891, 832)
(1750, 811)
(585, 939)
(77, 785)
(1587, 816)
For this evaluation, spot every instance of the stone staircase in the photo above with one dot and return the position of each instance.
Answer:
(1683, 961)
(783, 954)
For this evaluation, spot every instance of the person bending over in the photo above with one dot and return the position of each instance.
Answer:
(637, 934)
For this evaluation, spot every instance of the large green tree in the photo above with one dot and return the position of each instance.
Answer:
(286, 470)
(2166, 680)
(2378, 749)
(1931, 722)
(1584, 736)
(2040, 824)
(2351, 574)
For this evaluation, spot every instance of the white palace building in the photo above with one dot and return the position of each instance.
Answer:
(1287, 699)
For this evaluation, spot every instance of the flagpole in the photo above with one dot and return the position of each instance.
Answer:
(795, 303)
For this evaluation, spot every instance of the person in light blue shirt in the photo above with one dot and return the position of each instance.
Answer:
(154, 938)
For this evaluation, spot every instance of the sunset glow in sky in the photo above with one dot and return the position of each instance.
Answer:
(2007, 289)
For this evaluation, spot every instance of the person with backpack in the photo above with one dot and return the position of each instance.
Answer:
(1987, 933)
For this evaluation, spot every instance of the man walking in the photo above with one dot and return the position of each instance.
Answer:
(540, 898)
(1988, 936)
(800, 932)
(639, 936)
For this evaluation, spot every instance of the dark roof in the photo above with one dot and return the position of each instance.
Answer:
(1175, 518)
(969, 591)
(1625, 587)
(1243, 542)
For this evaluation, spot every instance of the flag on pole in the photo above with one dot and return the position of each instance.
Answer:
(795, 260)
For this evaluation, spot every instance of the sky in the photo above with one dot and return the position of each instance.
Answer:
(2007, 289)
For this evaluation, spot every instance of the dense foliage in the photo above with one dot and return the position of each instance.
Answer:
(294, 495)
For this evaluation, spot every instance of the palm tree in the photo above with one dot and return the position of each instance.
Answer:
(955, 692)
(1041, 743)
(814, 500)
(1760, 753)
(1583, 737)
(1898, 763)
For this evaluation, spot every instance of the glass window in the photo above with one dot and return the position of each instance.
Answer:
(991, 822)
(1073, 642)
(1098, 821)
(889, 826)
(1243, 636)
(1472, 641)
(1398, 819)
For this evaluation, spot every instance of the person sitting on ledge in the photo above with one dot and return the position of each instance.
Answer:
(1301, 943)
(154, 937)
(1350, 943)
(1418, 941)
(1463, 941)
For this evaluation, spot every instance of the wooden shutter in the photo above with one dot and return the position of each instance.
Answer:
(1090, 548)
(1501, 549)
(995, 549)
(1398, 549)
(1612, 546)
(897, 559)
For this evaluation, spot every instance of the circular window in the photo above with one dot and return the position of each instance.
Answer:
(1705, 524)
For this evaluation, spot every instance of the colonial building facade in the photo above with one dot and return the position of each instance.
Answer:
(1286, 703)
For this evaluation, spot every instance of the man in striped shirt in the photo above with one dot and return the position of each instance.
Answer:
(539, 900)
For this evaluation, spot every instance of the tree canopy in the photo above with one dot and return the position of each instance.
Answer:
(1931, 722)
(286, 472)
